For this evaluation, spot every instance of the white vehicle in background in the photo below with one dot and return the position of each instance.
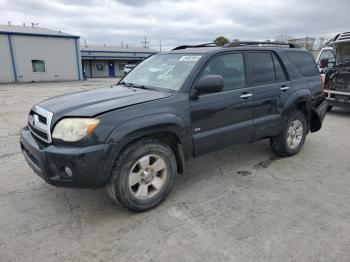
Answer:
(128, 68)
(326, 53)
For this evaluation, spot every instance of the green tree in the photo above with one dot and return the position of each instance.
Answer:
(221, 40)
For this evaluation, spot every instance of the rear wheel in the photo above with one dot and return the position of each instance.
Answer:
(290, 141)
(144, 175)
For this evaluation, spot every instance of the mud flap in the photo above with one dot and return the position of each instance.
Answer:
(318, 115)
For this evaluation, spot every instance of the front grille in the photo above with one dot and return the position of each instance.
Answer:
(39, 123)
(38, 132)
(42, 119)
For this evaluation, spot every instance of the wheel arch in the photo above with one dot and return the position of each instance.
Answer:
(300, 100)
(168, 128)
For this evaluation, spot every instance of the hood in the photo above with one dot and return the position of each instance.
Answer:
(97, 101)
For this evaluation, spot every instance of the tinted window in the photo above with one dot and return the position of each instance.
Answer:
(262, 67)
(230, 67)
(304, 62)
(280, 75)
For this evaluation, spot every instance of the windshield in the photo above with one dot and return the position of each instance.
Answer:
(167, 71)
(343, 53)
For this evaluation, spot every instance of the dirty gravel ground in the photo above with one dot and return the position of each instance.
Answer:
(238, 204)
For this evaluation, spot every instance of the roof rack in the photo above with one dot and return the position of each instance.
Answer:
(260, 43)
(194, 46)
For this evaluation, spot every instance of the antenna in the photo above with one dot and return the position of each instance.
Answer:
(145, 42)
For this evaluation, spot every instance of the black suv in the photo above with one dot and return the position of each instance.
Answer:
(134, 137)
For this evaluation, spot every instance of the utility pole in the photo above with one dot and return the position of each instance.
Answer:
(145, 42)
(160, 45)
(85, 43)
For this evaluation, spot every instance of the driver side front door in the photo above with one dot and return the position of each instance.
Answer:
(223, 118)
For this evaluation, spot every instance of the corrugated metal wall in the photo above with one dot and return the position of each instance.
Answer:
(59, 55)
(6, 71)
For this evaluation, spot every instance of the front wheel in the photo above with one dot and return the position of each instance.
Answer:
(144, 175)
(290, 141)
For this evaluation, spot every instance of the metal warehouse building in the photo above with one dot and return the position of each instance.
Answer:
(109, 61)
(30, 54)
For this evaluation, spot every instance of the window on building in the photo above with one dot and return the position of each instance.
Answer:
(121, 66)
(99, 67)
(263, 71)
(38, 66)
(230, 67)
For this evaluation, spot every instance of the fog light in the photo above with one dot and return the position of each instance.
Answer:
(68, 171)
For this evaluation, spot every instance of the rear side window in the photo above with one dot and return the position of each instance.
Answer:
(304, 62)
(263, 71)
(280, 75)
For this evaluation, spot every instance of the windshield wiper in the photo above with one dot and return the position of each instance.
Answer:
(137, 86)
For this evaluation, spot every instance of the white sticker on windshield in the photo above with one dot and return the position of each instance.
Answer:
(190, 58)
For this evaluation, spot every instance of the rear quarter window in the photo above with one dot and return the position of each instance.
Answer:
(304, 62)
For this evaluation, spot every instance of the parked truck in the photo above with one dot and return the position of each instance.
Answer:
(336, 67)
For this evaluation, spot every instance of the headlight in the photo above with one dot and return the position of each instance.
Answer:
(74, 129)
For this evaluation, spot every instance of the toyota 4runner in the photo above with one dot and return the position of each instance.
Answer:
(135, 136)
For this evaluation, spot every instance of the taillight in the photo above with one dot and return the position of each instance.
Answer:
(322, 80)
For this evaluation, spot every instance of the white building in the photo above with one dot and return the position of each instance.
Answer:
(109, 61)
(30, 54)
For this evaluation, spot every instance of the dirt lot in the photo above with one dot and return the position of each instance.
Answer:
(238, 204)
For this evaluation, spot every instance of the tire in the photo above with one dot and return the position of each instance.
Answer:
(143, 175)
(329, 108)
(290, 141)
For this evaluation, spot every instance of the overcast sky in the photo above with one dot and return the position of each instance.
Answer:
(178, 22)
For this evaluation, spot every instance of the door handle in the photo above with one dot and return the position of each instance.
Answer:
(246, 95)
(284, 88)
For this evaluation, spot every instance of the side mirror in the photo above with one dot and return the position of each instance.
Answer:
(324, 63)
(209, 84)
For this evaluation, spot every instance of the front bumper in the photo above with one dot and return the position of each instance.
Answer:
(90, 166)
(337, 98)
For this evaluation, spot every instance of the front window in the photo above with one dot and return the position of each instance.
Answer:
(343, 53)
(167, 71)
(99, 67)
(230, 67)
